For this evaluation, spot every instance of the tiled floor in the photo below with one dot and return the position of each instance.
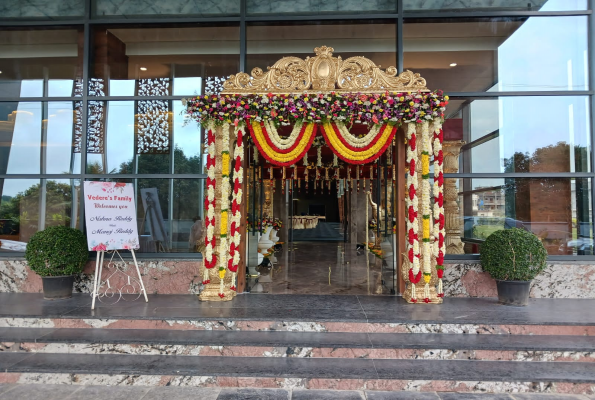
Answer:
(324, 268)
(68, 392)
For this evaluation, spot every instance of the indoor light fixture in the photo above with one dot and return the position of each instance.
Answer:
(143, 68)
(451, 64)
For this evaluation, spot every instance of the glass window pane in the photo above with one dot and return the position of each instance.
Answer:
(20, 143)
(268, 43)
(19, 210)
(315, 7)
(558, 210)
(174, 8)
(520, 54)
(510, 134)
(167, 214)
(41, 9)
(62, 155)
(500, 5)
(24, 126)
(31, 57)
(62, 202)
(143, 137)
(144, 61)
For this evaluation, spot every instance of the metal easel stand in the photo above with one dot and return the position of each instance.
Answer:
(130, 286)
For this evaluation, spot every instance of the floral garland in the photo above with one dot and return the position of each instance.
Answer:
(335, 137)
(439, 228)
(412, 203)
(271, 148)
(225, 189)
(425, 209)
(210, 241)
(236, 202)
(375, 109)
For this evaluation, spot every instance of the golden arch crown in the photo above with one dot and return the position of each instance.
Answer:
(323, 73)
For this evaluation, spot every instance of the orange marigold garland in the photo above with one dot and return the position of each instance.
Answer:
(236, 202)
(224, 218)
(426, 148)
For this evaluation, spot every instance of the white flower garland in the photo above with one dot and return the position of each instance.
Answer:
(236, 218)
(439, 234)
(279, 142)
(412, 202)
(209, 262)
(355, 141)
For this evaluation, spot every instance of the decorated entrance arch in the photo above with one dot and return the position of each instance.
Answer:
(325, 97)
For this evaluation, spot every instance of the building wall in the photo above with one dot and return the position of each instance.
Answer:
(560, 280)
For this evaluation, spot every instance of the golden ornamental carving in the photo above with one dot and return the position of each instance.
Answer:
(324, 73)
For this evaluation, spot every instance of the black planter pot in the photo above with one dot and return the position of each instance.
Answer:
(513, 293)
(57, 287)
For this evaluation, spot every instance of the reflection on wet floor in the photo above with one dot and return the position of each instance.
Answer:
(323, 268)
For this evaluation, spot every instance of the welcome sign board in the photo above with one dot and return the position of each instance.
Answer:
(110, 214)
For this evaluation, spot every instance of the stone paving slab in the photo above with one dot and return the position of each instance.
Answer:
(72, 392)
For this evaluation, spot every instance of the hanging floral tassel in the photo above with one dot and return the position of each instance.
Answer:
(357, 177)
(306, 159)
(319, 152)
(255, 154)
(335, 160)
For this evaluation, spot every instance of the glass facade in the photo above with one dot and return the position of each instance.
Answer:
(91, 90)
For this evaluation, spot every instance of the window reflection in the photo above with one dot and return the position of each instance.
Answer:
(511, 134)
(123, 141)
(506, 5)
(31, 57)
(266, 44)
(557, 210)
(162, 61)
(518, 54)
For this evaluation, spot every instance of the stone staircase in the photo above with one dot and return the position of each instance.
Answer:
(547, 347)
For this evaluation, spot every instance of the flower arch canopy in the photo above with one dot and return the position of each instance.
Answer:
(326, 96)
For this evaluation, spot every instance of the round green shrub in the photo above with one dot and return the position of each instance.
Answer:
(513, 255)
(56, 251)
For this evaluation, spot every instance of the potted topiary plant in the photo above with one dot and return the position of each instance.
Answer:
(513, 257)
(56, 254)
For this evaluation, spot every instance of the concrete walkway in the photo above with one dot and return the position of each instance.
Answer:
(70, 392)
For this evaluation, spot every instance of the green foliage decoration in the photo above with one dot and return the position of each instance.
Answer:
(513, 255)
(56, 251)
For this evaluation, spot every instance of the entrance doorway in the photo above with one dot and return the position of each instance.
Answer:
(330, 234)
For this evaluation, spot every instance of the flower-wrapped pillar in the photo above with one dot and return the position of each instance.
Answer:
(423, 262)
(219, 282)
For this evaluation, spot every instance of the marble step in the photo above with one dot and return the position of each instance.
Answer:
(300, 339)
(299, 344)
(310, 373)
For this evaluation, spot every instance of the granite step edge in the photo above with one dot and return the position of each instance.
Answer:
(448, 341)
(303, 368)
